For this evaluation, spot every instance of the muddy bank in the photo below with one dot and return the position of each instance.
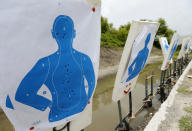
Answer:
(110, 59)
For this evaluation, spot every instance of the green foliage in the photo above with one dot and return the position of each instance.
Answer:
(188, 109)
(163, 31)
(110, 40)
(185, 123)
(162, 28)
(104, 25)
(111, 37)
(123, 32)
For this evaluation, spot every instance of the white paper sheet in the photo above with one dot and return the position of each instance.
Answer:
(172, 48)
(49, 59)
(136, 52)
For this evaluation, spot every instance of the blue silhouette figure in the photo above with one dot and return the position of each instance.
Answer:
(9, 103)
(185, 48)
(140, 61)
(166, 45)
(174, 49)
(64, 73)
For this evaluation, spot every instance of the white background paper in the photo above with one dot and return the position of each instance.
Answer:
(135, 42)
(182, 51)
(26, 37)
(166, 61)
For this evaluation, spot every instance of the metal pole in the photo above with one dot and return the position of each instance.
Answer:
(146, 88)
(187, 55)
(162, 94)
(164, 73)
(130, 104)
(174, 69)
(152, 85)
(181, 65)
(64, 127)
(168, 80)
(168, 73)
(68, 126)
(161, 78)
(120, 114)
(170, 68)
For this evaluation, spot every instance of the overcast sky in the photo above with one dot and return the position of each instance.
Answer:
(177, 13)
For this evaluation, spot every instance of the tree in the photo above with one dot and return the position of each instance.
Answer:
(112, 37)
(104, 25)
(163, 31)
(123, 32)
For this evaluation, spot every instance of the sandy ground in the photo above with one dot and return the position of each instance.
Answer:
(172, 110)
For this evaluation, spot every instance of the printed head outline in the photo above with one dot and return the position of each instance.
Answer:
(147, 39)
(63, 28)
(166, 46)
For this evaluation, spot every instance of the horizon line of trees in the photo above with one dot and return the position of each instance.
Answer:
(112, 37)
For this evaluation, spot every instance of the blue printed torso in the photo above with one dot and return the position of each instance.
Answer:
(139, 62)
(64, 85)
(68, 74)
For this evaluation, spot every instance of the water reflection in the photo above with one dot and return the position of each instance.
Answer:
(105, 111)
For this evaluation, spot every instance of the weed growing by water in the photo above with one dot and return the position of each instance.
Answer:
(188, 109)
(184, 91)
(185, 123)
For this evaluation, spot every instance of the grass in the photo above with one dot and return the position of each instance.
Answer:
(184, 91)
(188, 109)
(185, 123)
